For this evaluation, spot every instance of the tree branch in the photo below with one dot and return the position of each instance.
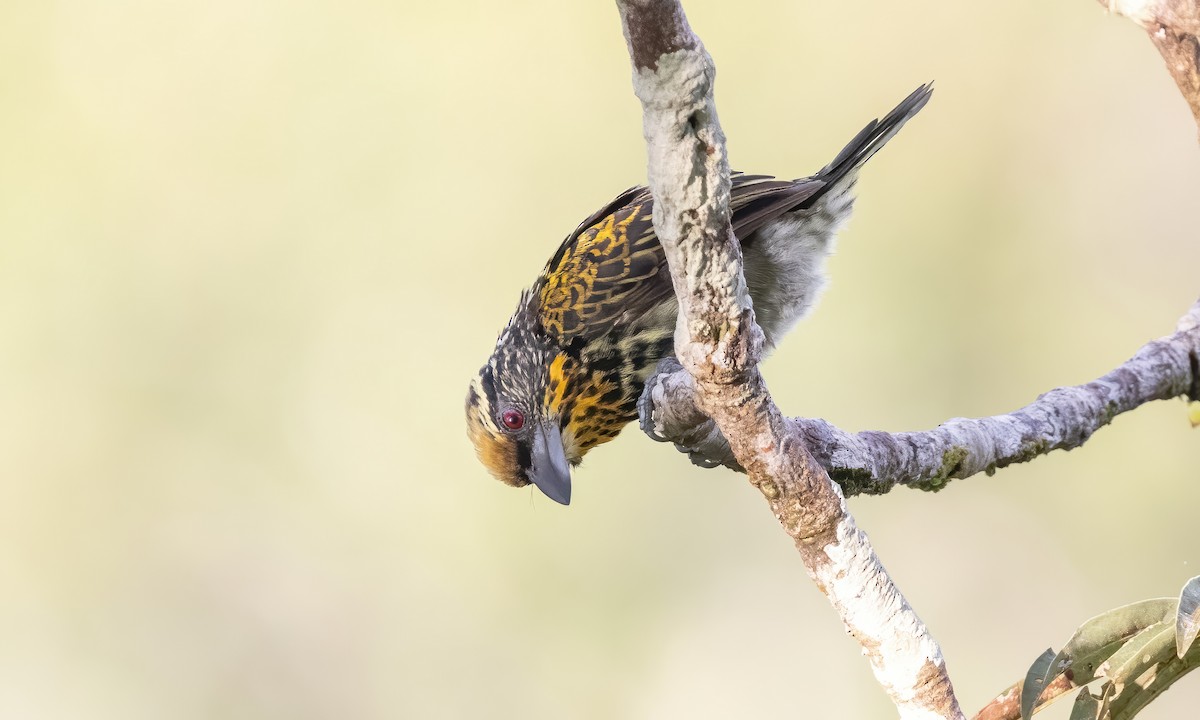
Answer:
(1007, 705)
(874, 462)
(1174, 28)
(719, 344)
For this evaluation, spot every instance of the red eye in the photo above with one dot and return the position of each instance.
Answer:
(513, 419)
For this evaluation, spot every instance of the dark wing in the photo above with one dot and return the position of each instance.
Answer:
(612, 269)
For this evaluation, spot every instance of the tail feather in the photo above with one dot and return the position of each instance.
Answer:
(870, 139)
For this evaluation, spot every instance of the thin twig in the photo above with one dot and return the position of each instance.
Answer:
(1007, 705)
(873, 462)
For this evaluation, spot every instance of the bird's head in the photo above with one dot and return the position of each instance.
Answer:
(518, 416)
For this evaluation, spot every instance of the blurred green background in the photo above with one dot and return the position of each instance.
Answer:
(251, 253)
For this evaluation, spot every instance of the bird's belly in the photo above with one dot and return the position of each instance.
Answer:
(785, 266)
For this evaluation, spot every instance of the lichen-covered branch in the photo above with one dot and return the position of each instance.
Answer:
(1174, 28)
(874, 462)
(719, 344)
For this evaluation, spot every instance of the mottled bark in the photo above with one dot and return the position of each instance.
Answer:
(1174, 28)
(719, 345)
(872, 462)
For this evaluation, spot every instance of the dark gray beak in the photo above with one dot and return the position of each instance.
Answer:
(550, 471)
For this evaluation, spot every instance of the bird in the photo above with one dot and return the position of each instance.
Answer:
(568, 368)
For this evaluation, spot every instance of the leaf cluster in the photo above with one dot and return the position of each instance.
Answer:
(1136, 652)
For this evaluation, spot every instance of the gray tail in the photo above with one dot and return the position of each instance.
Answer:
(871, 138)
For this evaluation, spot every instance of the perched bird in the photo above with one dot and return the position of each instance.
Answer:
(570, 365)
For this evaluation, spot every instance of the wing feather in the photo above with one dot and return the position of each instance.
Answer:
(612, 269)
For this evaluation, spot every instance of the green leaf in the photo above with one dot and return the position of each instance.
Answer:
(1100, 637)
(1087, 706)
(1152, 683)
(1187, 619)
(1036, 679)
(1091, 645)
(1145, 651)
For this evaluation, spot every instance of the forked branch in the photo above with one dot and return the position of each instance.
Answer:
(719, 345)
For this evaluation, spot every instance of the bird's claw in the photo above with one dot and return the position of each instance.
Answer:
(691, 433)
(647, 405)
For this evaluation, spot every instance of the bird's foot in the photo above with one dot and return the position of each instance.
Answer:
(668, 413)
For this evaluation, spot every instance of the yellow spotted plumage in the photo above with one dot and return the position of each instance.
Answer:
(607, 263)
(570, 365)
